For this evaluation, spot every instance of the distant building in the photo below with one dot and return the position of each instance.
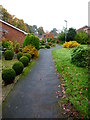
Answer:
(48, 35)
(85, 28)
(11, 32)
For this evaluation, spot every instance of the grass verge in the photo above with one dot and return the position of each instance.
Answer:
(75, 80)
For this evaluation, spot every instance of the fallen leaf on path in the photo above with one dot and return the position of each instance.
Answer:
(62, 84)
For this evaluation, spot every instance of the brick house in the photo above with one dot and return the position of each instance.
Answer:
(85, 28)
(11, 32)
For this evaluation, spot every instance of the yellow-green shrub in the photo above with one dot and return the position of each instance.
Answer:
(31, 50)
(70, 44)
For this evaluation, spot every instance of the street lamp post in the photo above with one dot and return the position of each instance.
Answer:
(65, 31)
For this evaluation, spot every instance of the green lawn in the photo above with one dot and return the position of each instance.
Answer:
(8, 63)
(76, 79)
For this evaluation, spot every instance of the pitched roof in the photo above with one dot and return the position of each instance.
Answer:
(82, 28)
(13, 27)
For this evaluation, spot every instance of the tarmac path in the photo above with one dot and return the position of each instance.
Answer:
(35, 95)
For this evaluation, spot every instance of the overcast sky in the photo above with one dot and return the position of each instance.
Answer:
(49, 13)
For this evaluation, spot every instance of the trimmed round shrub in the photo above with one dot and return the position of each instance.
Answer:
(28, 55)
(19, 55)
(18, 67)
(47, 46)
(8, 54)
(24, 60)
(8, 75)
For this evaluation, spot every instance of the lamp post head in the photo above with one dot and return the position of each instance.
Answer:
(65, 20)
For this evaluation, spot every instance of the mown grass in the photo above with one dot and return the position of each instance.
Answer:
(8, 63)
(76, 79)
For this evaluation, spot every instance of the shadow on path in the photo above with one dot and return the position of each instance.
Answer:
(35, 95)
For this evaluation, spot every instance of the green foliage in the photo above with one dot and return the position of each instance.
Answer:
(42, 47)
(27, 55)
(18, 67)
(16, 46)
(47, 46)
(42, 42)
(8, 54)
(8, 75)
(7, 44)
(49, 43)
(71, 34)
(61, 36)
(19, 55)
(24, 60)
(82, 37)
(49, 39)
(79, 56)
(53, 41)
(31, 39)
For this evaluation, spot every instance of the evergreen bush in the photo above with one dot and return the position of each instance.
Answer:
(19, 55)
(27, 55)
(79, 56)
(8, 54)
(18, 67)
(31, 39)
(24, 60)
(8, 75)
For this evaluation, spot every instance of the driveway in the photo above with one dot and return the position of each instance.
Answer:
(35, 95)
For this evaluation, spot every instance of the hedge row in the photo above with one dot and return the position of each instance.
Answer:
(8, 74)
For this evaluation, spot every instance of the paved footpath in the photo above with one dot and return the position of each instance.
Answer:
(35, 95)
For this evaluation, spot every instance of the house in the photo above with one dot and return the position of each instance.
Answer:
(48, 35)
(11, 32)
(85, 28)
